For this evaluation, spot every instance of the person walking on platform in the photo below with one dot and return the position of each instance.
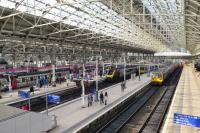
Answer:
(101, 98)
(106, 98)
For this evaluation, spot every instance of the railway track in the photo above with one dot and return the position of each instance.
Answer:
(146, 113)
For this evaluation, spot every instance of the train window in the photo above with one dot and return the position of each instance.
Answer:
(23, 79)
(110, 72)
(157, 75)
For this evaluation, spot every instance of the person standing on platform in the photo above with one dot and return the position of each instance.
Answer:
(106, 98)
(122, 86)
(90, 99)
(45, 83)
(101, 98)
(67, 79)
(37, 83)
(40, 83)
(100, 73)
(31, 90)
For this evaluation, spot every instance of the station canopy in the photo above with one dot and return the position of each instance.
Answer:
(172, 54)
(102, 26)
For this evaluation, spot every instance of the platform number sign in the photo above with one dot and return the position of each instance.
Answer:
(187, 120)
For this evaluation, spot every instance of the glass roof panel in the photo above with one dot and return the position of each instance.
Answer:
(93, 16)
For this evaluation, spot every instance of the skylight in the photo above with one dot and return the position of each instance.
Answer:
(93, 16)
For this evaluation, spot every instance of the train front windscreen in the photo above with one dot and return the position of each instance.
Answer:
(156, 75)
(110, 72)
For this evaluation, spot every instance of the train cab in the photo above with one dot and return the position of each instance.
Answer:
(110, 73)
(113, 74)
(157, 78)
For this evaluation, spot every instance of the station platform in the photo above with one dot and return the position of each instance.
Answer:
(71, 116)
(9, 97)
(186, 101)
(14, 120)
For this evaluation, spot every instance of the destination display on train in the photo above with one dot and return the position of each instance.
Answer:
(187, 120)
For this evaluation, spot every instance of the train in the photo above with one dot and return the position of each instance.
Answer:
(197, 65)
(115, 74)
(21, 78)
(158, 77)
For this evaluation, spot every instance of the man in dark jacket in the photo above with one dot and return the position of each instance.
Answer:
(101, 98)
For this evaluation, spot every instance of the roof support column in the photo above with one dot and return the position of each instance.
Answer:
(82, 81)
(139, 66)
(125, 60)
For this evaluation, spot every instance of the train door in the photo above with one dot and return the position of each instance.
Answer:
(14, 83)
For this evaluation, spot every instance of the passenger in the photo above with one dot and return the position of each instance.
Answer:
(122, 86)
(31, 90)
(67, 82)
(106, 98)
(100, 73)
(90, 99)
(40, 83)
(46, 83)
(101, 98)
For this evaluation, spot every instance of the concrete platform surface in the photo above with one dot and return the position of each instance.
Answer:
(13, 96)
(71, 117)
(186, 101)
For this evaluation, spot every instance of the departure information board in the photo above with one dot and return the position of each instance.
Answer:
(187, 120)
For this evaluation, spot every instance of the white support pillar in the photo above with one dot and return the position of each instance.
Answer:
(9, 83)
(139, 65)
(46, 92)
(96, 75)
(53, 75)
(103, 68)
(125, 68)
(83, 86)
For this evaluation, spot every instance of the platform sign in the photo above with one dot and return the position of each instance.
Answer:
(23, 94)
(187, 120)
(53, 99)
